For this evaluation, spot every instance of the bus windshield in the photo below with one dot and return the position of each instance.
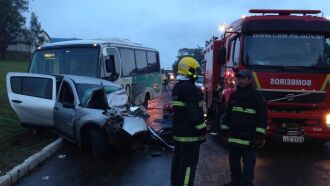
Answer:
(74, 61)
(280, 49)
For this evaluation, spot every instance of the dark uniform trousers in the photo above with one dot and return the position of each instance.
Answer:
(239, 155)
(184, 163)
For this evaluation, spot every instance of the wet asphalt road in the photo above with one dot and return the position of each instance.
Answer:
(277, 165)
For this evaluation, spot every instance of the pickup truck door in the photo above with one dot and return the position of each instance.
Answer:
(32, 97)
(65, 109)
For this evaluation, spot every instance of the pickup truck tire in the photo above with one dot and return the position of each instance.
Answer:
(99, 145)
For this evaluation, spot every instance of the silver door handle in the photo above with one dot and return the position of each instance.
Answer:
(17, 101)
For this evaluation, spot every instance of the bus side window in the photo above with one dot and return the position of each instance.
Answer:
(153, 62)
(141, 61)
(128, 62)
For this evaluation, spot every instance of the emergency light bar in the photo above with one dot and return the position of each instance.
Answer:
(284, 12)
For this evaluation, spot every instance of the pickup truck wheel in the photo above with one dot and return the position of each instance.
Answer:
(99, 145)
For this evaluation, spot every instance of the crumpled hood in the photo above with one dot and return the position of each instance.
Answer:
(118, 99)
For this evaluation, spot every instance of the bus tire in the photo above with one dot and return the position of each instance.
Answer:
(98, 142)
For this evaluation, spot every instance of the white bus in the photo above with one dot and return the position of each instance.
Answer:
(135, 67)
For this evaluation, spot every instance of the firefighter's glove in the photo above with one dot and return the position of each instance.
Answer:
(258, 143)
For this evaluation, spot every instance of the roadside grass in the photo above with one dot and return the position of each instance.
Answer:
(16, 142)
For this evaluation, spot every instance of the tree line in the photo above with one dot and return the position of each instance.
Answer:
(13, 24)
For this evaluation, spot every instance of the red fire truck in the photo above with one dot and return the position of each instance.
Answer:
(288, 53)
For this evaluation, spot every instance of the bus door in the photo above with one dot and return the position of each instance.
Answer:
(110, 67)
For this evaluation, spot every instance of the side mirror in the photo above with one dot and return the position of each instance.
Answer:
(67, 105)
(110, 65)
(221, 55)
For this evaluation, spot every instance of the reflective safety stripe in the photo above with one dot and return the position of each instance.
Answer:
(261, 130)
(224, 127)
(188, 139)
(186, 177)
(200, 104)
(178, 103)
(240, 109)
(201, 126)
(250, 111)
(239, 141)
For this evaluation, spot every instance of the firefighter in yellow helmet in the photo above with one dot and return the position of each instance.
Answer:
(189, 129)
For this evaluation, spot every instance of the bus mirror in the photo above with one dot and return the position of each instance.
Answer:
(110, 65)
(221, 55)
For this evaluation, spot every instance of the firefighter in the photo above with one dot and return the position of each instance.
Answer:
(189, 129)
(243, 128)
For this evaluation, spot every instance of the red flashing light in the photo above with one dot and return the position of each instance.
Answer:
(284, 12)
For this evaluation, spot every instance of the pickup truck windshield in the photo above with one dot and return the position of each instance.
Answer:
(85, 90)
(285, 50)
(73, 61)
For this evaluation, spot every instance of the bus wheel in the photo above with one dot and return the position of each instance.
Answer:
(146, 100)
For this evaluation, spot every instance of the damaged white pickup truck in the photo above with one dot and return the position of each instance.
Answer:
(87, 111)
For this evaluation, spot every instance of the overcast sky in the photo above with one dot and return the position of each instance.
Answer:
(166, 25)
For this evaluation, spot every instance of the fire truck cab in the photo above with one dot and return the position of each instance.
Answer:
(288, 53)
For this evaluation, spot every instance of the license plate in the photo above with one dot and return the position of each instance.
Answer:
(293, 139)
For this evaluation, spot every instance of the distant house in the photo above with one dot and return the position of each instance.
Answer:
(22, 45)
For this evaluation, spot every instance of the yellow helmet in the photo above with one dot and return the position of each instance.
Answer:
(189, 67)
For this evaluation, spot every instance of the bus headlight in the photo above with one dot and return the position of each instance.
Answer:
(327, 120)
